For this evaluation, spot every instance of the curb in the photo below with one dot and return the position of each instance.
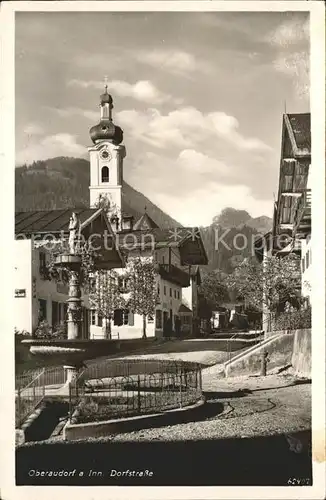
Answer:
(74, 431)
(27, 424)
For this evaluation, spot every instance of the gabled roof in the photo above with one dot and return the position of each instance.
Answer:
(184, 309)
(187, 239)
(298, 126)
(144, 223)
(50, 221)
(54, 222)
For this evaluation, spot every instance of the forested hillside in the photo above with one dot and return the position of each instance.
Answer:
(64, 183)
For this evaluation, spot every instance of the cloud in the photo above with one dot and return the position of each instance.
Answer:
(143, 90)
(33, 129)
(49, 147)
(192, 161)
(174, 61)
(193, 186)
(291, 39)
(199, 206)
(296, 66)
(184, 127)
(72, 111)
(291, 32)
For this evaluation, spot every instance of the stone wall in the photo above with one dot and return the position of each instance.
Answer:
(287, 348)
(301, 356)
(279, 353)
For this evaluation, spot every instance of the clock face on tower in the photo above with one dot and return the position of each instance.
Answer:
(105, 155)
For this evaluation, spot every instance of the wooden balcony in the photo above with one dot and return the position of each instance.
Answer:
(174, 274)
(302, 219)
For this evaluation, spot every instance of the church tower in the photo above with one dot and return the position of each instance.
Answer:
(106, 159)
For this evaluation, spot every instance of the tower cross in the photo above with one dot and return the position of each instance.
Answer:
(106, 79)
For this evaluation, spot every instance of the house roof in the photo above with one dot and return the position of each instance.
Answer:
(50, 221)
(145, 222)
(184, 309)
(298, 126)
(53, 222)
(187, 239)
(301, 127)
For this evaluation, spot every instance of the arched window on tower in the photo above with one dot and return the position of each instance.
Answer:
(105, 174)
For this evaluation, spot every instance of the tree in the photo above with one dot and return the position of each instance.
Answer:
(105, 296)
(214, 289)
(269, 284)
(142, 283)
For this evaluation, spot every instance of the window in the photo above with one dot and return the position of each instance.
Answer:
(170, 292)
(159, 319)
(131, 319)
(175, 294)
(164, 290)
(163, 260)
(42, 263)
(118, 317)
(93, 317)
(123, 317)
(105, 174)
(123, 284)
(178, 294)
(55, 313)
(158, 289)
(303, 264)
(307, 260)
(100, 320)
(42, 310)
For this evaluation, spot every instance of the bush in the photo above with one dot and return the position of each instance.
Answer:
(46, 331)
(294, 320)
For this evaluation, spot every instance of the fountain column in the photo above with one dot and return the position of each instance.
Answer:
(73, 264)
(74, 321)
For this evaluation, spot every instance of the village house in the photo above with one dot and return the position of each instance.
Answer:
(37, 297)
(291, 231)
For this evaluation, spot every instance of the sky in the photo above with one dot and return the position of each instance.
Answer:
(199, 96)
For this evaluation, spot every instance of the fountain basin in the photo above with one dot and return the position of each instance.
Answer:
(72, 351)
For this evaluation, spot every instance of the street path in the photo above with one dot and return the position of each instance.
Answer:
(242, 407)
(205, 351)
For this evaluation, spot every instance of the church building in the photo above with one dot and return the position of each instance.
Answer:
(176, 252)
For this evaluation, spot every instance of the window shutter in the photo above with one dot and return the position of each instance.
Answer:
(131, 319)
(118, 317)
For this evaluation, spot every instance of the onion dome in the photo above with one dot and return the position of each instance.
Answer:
(106, 98)
(106, 130)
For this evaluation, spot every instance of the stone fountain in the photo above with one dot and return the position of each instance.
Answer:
(72, 351)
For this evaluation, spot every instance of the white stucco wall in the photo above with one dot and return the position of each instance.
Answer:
(23, 281)
(28, 277)
(114, 164)
(306, 267)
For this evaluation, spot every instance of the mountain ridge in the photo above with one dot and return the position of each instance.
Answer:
(63, 182)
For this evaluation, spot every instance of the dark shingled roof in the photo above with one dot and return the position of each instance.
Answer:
(301, 127)
(52, 221)
(165, 237)
(184, 309)
(145, 222)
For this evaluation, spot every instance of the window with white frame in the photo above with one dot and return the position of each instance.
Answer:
(93, 317)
